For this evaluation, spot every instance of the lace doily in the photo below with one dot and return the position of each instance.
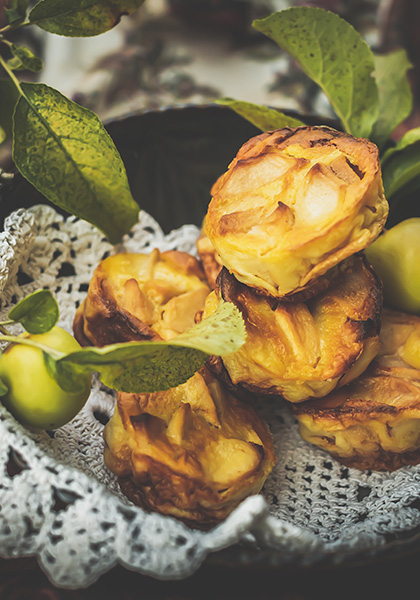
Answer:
(60, 503)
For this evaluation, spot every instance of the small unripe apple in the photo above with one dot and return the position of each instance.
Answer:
(395, 256)
(34, 397)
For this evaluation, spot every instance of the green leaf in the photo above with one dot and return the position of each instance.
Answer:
(70, 379)
(3, 388)
(159, 368)
(410, 137)
(27, 58)
(3, 135)
(15, 11)
(65, 152)
(221, 333)
(38, 312)
(14, 64)
(81, 18)
(401, 169)
(333, 55)
(395, 97)
(143, 367)
(400, 164)
(263, 117)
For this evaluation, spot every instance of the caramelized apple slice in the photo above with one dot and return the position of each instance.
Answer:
(141, 296)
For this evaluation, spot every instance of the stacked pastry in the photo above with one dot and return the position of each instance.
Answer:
(288, 222)
(374, 422)
(283, 239)
(285, 233)
(194, 451)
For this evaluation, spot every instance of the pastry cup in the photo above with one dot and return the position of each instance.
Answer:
(374, 422)
(293, 204)
(193, 452)
(212, 265)
(301, 350)
(134, 297)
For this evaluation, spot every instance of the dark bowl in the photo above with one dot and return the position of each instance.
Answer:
(172, 157)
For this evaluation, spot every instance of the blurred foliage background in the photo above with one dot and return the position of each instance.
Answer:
(175, 52)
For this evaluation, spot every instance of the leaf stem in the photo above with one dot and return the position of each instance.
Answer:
(14, 26)
(56, 354)
(8, 322)
(11, 75)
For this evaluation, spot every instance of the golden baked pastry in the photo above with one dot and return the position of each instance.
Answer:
(293, 204)
(374, 422)
(212, 266)
(210, 260)
(193, 452)
(134, 297)
(303, 349)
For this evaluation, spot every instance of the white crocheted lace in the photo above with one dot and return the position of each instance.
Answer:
(60, 503)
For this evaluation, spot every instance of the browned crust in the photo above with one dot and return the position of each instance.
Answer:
(359, 330)
(243, 390)
(162, 489)
(78, 327)
(100, 321)
(141, 496)
(110, 323)
(212, 268)
(381, 460)
(346, 407)
(346, 412)
(368, 322)
(305, 137)
(209, 259)
(246, 392)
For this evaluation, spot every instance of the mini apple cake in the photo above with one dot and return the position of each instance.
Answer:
(293, 204)
(193, 452)
(374, 422)
(210, 260)
(301, 350)
(134, 297)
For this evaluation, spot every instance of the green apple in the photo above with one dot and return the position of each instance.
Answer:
(34, 397)
(395, 256)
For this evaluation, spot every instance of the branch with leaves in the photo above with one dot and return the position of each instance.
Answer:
(370, 94)
(61, 148)
(137, 367)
